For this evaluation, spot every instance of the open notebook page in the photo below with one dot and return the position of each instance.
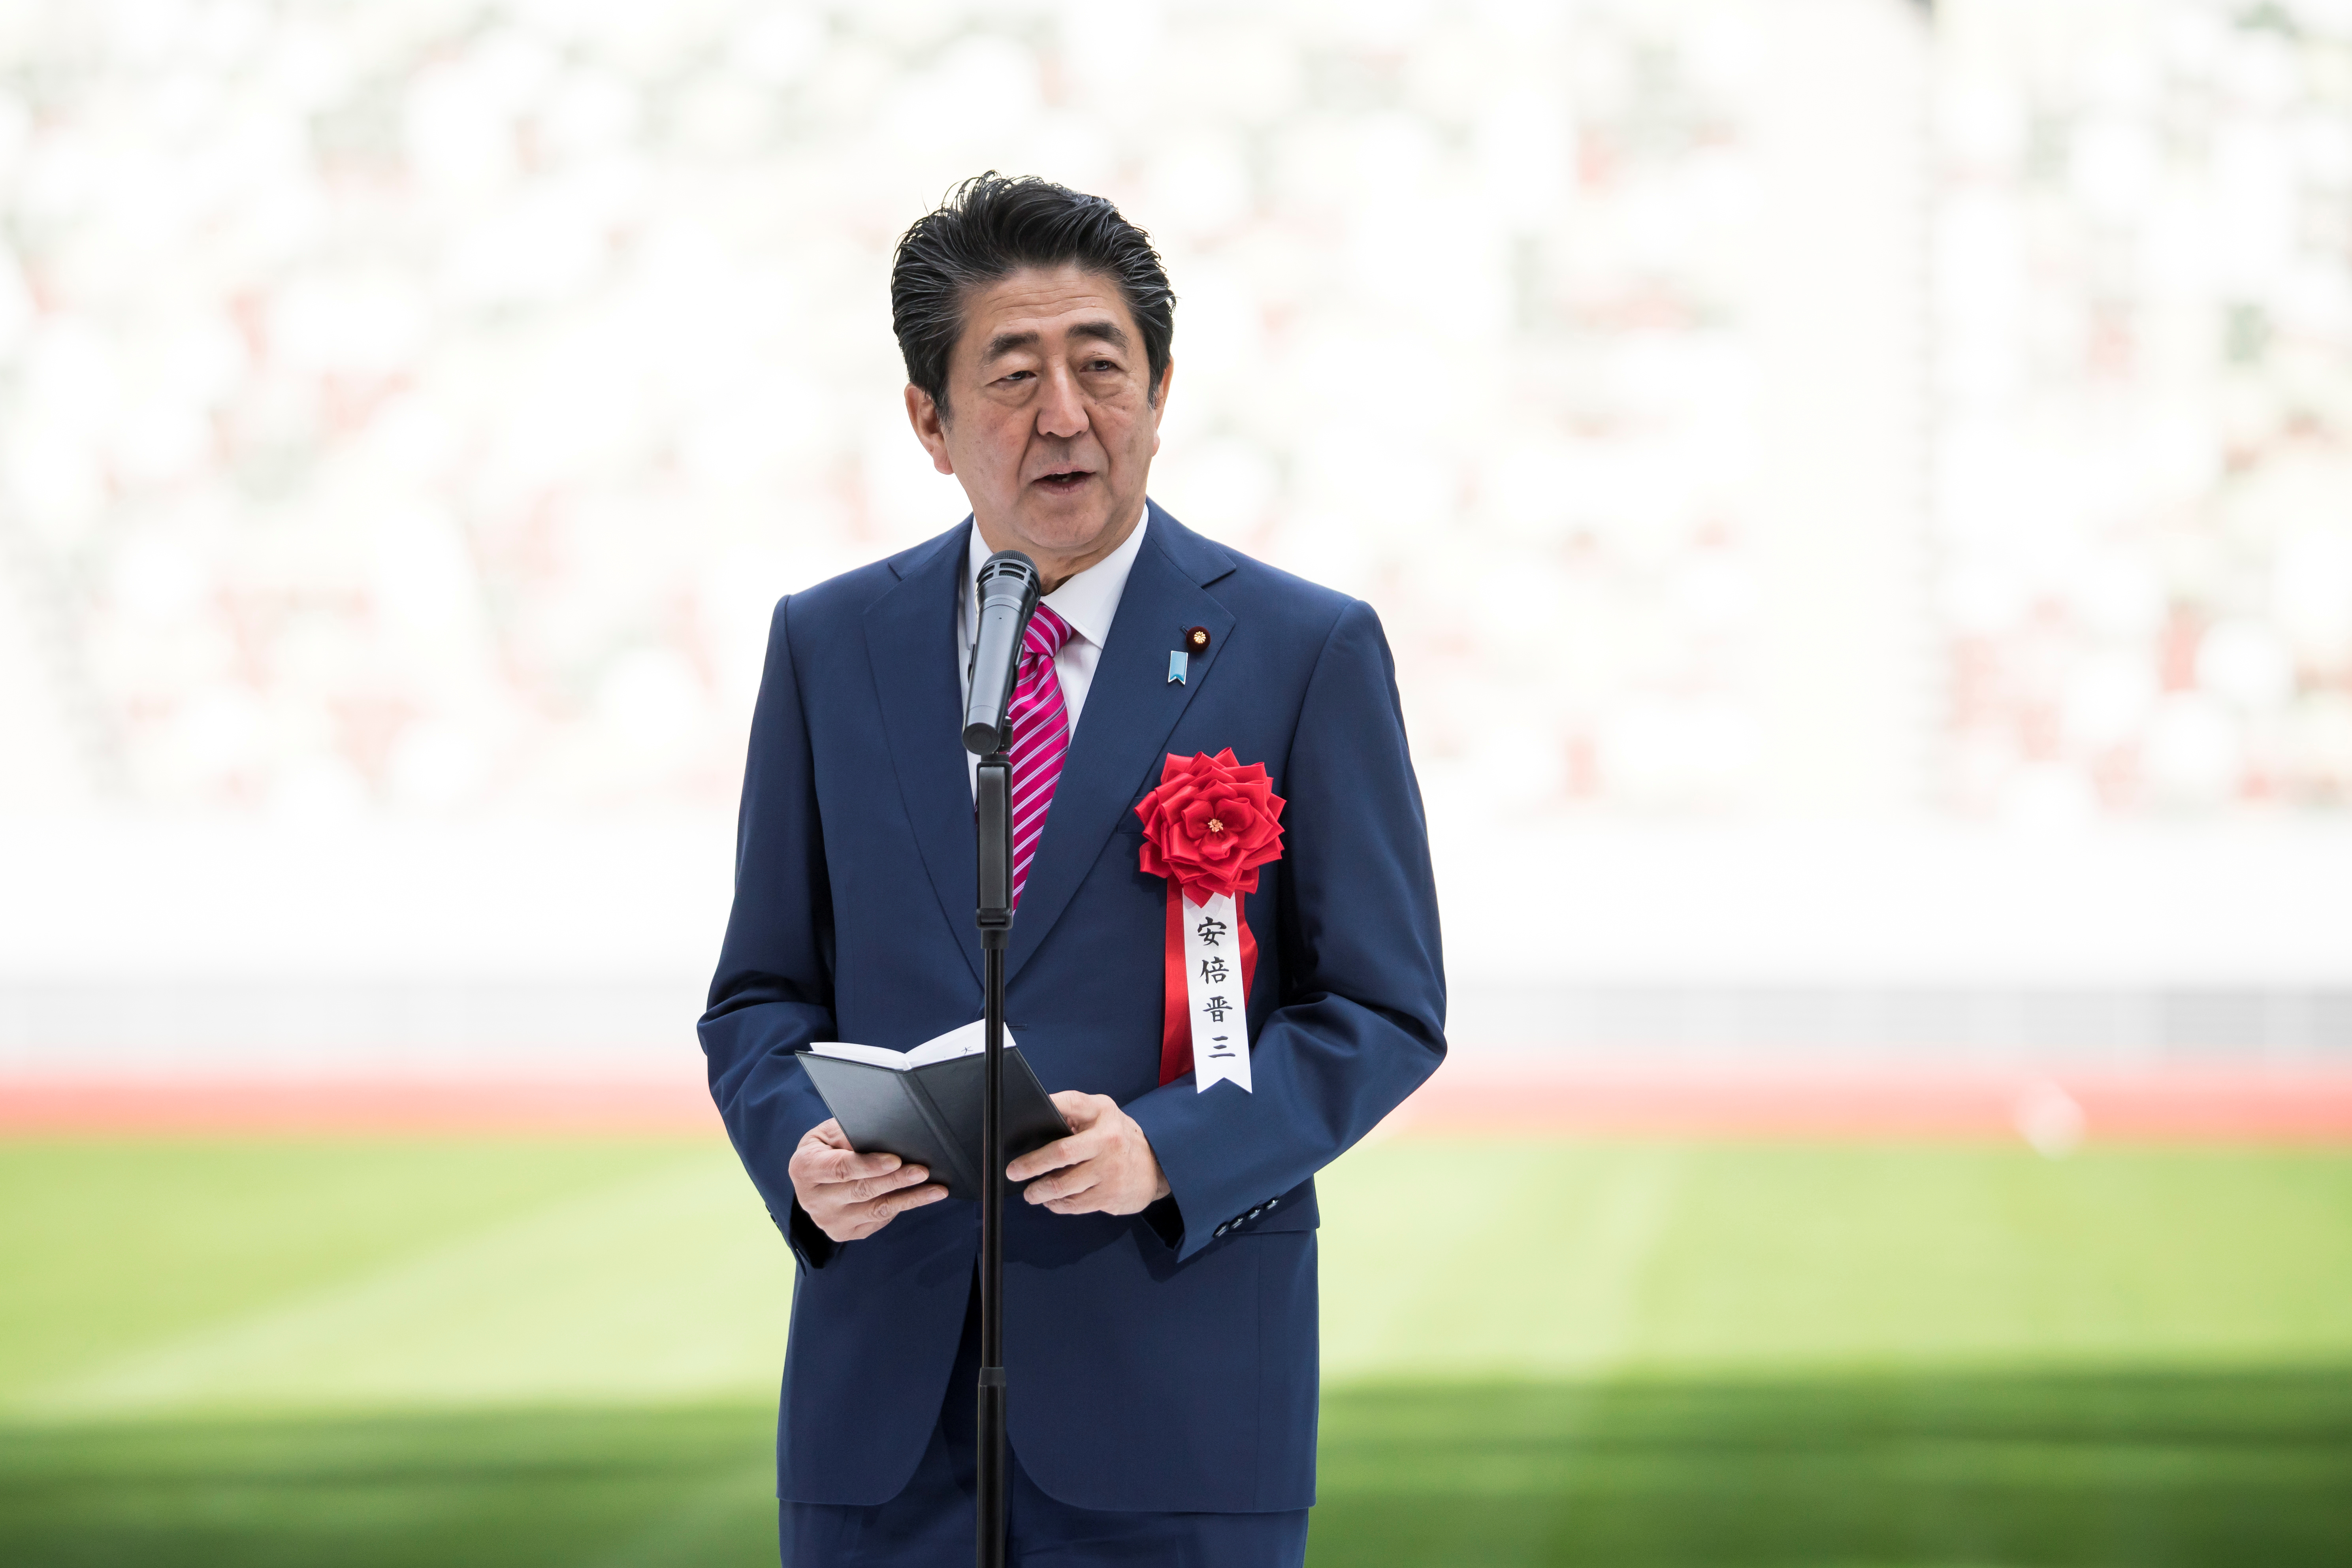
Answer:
(969, 1040)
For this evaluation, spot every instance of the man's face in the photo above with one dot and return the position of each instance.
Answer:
(1049, 426)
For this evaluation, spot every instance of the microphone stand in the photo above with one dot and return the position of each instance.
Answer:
(1007, 591)
(994, 804)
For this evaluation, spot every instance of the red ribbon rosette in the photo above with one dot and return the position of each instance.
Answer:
(1207, 828)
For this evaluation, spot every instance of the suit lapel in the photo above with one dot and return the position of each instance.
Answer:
(910, 640)
(1129, 712)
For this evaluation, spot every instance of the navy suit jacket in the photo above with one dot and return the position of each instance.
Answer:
(1160, 1361)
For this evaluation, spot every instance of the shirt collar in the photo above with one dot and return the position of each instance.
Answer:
(1088, 601)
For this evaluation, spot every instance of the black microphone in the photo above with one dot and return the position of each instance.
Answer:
(1008, 597)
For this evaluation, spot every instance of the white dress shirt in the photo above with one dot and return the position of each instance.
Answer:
(1088, 601)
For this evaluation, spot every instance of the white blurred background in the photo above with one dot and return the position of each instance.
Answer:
(1860, 496)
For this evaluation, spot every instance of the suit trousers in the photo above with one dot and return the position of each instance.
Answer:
(933, 1522)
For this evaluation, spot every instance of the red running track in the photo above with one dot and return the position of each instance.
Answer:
(2053, 1109)
(332, 1107)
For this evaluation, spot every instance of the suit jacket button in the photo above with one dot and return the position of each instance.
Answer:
(1224, 1228)
(1271, 1202)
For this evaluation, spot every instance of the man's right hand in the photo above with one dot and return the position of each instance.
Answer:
(849, 1195)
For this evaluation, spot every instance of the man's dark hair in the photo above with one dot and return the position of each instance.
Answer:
(991, 226)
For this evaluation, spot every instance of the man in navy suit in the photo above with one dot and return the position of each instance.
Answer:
(1160, 1278)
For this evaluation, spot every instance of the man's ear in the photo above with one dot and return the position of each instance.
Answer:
(1159, 400)
(930, 426)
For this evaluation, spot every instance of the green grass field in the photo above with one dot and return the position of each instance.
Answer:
(543, 1353)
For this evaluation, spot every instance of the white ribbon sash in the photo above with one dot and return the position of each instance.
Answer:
(1212, 984)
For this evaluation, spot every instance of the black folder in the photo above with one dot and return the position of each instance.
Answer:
(930, 1115)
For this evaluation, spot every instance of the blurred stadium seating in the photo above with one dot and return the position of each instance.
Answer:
(1886, 467)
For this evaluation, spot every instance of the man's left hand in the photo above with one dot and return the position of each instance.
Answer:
(1104, 1166)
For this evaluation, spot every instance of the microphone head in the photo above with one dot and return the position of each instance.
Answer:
(1009, 588)
(1009, 570)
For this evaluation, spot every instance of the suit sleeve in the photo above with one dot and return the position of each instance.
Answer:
(773, 990)
(1361, 1019)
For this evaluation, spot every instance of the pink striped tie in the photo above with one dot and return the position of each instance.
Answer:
(1041, 738)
